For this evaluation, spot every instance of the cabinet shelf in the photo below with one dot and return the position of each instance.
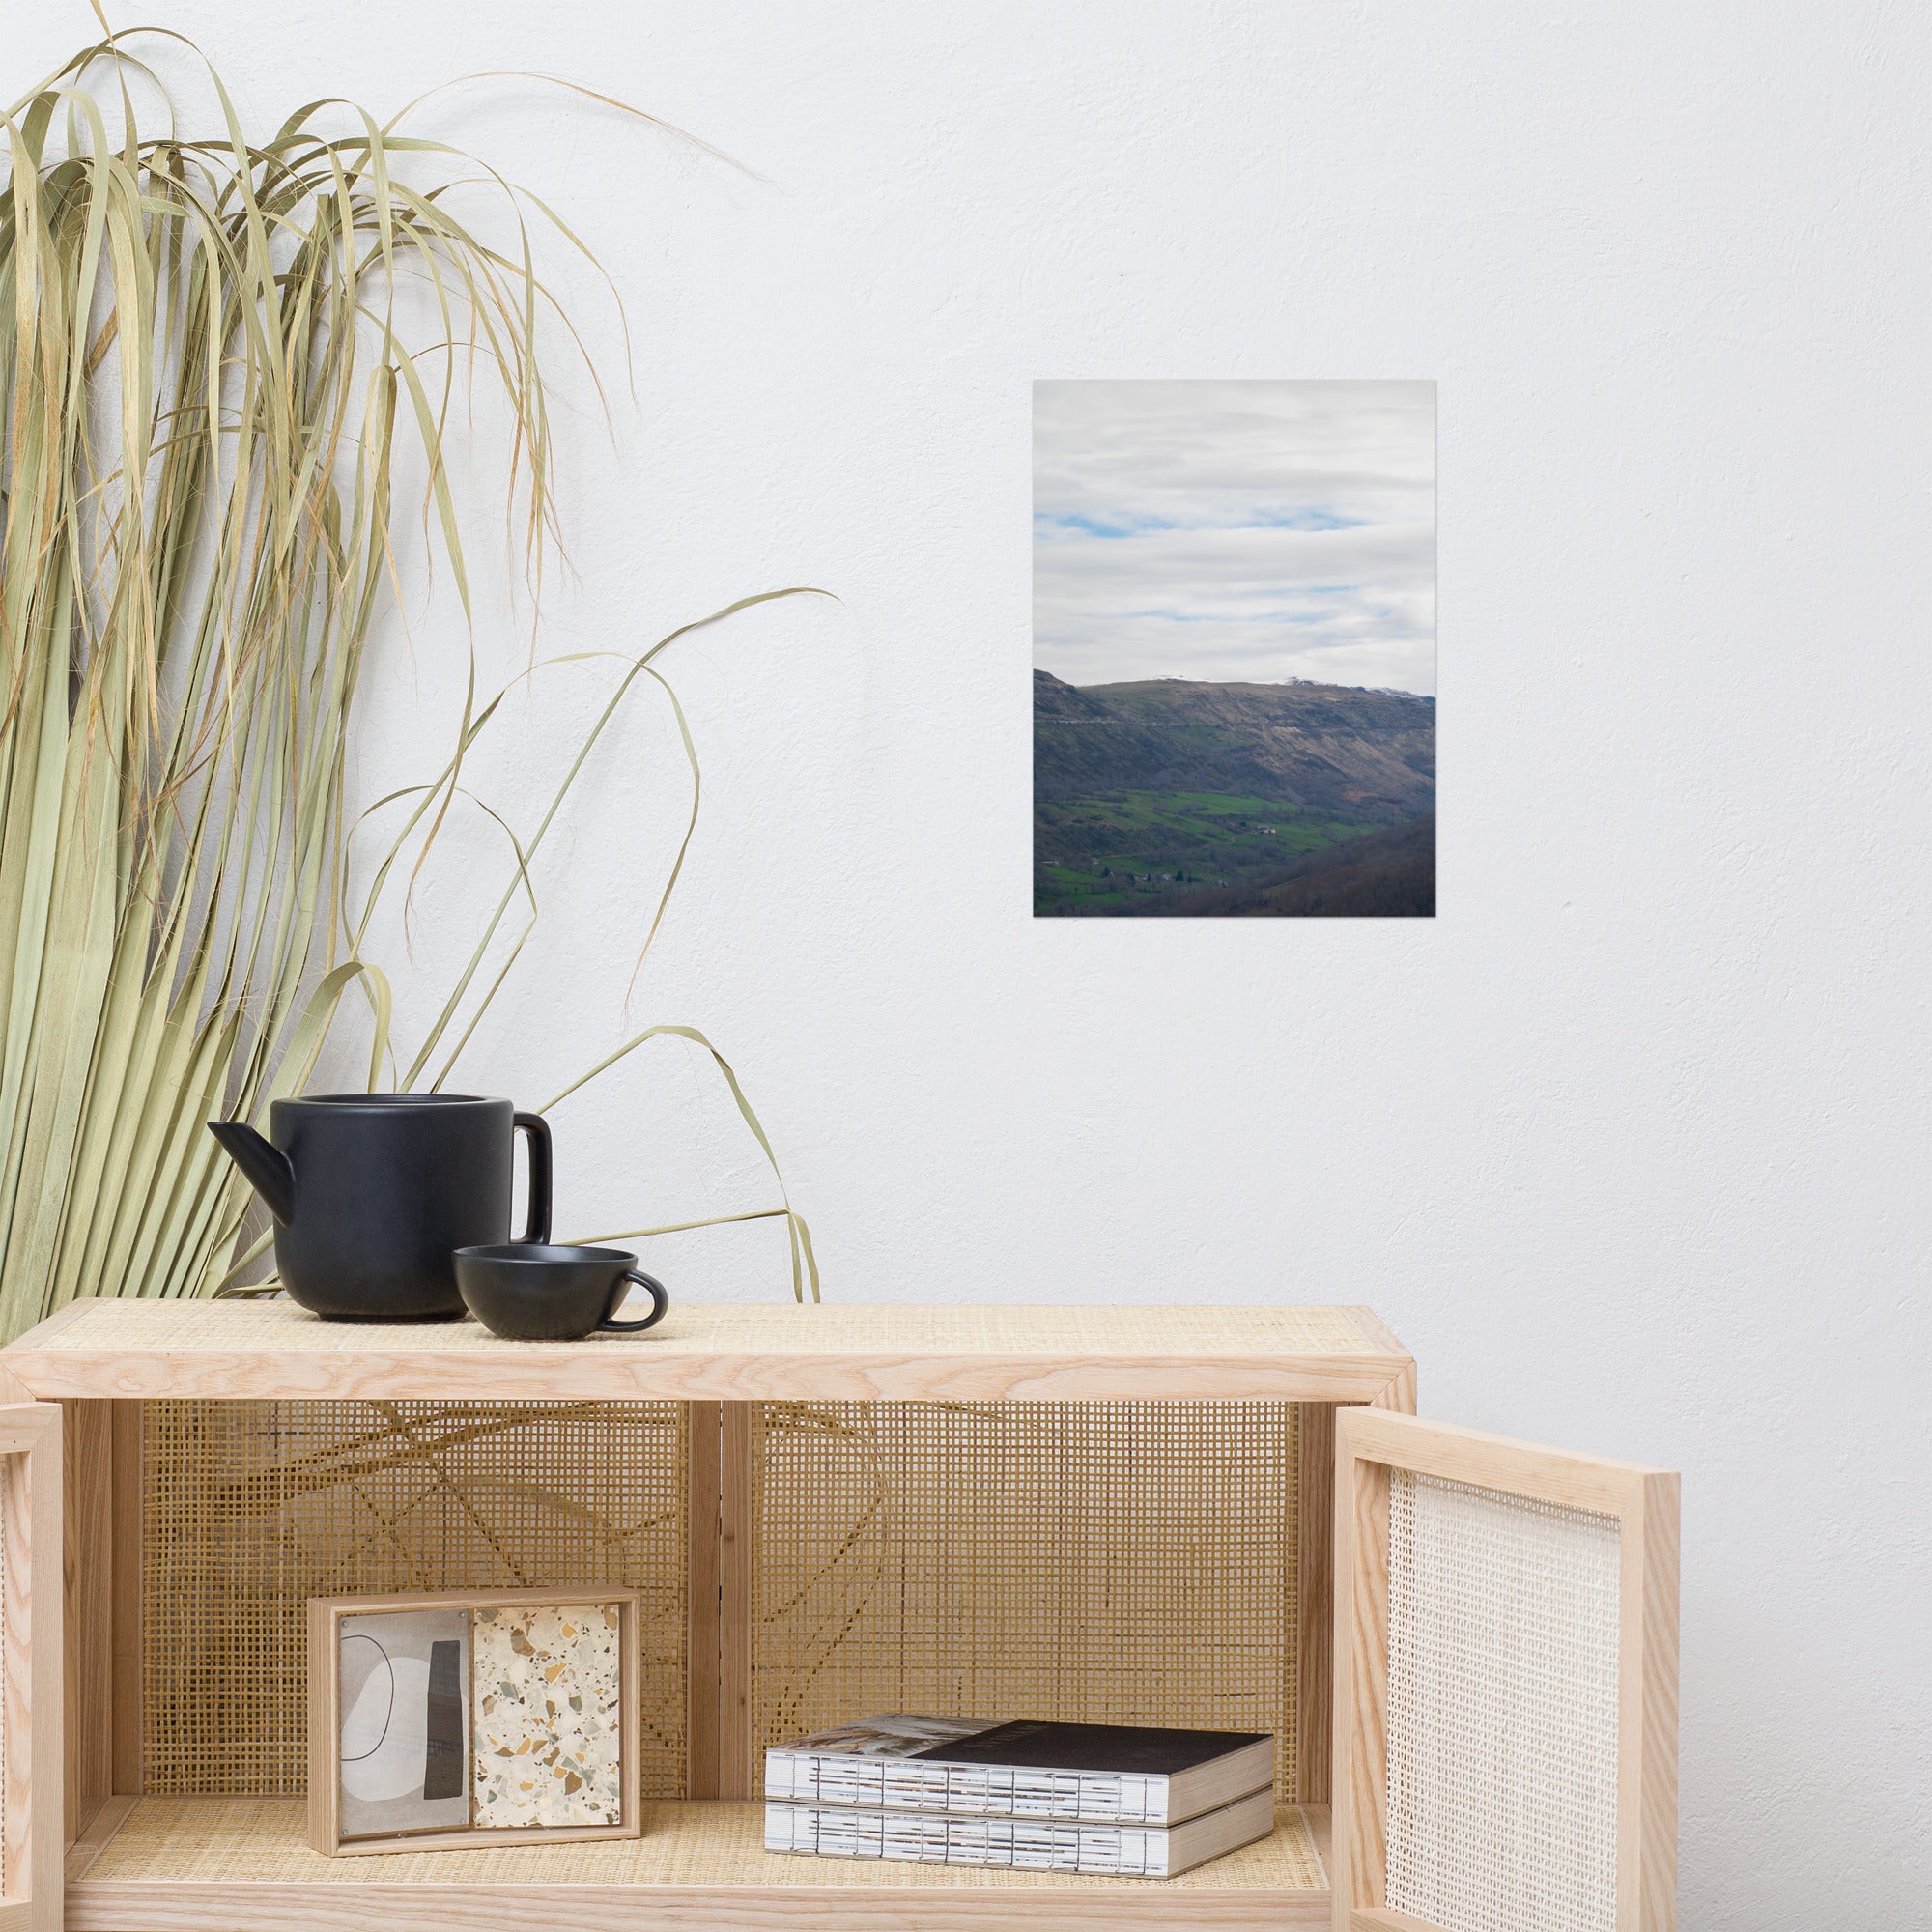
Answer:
(1157, 1550)
(726, 1353)
(239, 1865)
(1224, 1518)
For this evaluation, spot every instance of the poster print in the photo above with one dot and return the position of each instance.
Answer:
(1234, 649)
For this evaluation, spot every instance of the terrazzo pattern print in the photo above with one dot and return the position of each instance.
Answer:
(548, 1724)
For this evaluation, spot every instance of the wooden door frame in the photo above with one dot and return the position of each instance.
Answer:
(31, 1686)
(1369, 1445)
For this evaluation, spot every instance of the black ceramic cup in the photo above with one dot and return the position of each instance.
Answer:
(529, 1292)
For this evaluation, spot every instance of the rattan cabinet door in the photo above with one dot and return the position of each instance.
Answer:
(30, 1667)
(1505, 1684)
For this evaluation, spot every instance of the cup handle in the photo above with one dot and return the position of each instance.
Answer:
(659, 1301)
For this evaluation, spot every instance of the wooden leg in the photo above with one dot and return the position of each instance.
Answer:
(1315, 1690)
(32, 1676)
(701, 1597)
(1361, 1684)
(718, 1749)
(736, 1773)
(87, 1448)
(129, 1771)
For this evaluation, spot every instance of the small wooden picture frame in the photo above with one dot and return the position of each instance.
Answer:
(414, 1700)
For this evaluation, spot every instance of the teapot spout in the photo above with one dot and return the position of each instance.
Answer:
(266, 1166)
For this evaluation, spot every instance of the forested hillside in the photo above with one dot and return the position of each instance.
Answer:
(1183, 799)
(1386, 874)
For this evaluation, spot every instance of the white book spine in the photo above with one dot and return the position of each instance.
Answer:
(834, 1831)
(1087, 1797)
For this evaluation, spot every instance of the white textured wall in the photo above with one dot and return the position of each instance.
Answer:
(1629, 1144)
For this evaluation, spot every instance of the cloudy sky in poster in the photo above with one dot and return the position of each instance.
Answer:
(1249, 530)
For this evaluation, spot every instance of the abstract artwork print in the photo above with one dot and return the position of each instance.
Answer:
(405, 1730)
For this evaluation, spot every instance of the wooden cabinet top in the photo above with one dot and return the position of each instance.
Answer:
(750, 1351)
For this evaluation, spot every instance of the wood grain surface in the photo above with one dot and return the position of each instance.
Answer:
(731, 1352)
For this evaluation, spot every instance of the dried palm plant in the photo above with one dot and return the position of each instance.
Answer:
(210, 383)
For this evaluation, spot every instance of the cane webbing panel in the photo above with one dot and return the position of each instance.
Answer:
(1131, 1562)
(210, 1841)
(1502, 1710)
(250, 1508)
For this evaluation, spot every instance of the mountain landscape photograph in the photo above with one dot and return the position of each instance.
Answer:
(1233, 649)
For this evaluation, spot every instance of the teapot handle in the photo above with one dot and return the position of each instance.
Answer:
(537, 1229)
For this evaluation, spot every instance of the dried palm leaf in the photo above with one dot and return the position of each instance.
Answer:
(208, 378)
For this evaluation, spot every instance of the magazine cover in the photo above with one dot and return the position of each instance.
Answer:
(897, 1734)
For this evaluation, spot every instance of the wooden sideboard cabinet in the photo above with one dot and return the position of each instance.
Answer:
(1227, 1517)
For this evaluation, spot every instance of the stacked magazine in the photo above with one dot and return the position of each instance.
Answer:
(1114, 1799)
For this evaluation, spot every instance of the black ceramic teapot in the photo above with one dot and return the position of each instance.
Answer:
(373, 1192)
